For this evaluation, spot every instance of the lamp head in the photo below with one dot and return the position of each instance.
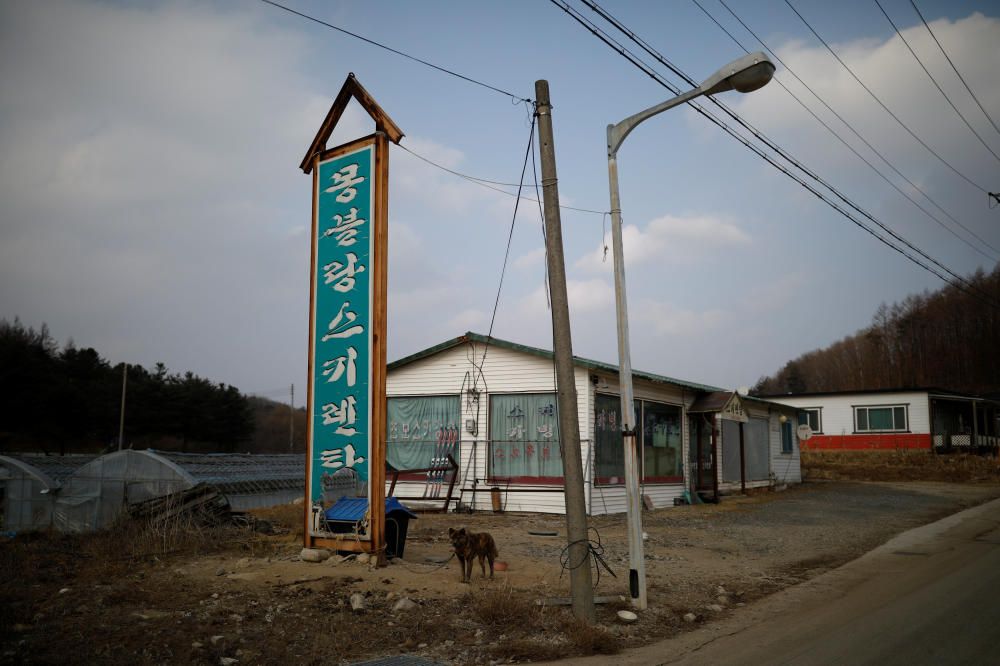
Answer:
(744, 75)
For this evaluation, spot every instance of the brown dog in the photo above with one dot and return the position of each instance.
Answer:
(469, 545)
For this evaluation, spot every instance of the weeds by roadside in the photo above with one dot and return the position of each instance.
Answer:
(900, 465)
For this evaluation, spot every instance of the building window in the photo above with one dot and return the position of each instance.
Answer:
(421, 429)
(658, 441)
(524, 438)
(609, 454)
(786, 437)
(661, 442)
(813, 416)
(889, 418)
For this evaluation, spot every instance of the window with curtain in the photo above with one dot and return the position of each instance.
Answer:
(661, 442)
(891, 418)
(420, 429)
(658, 441)
(524, 438)
(609, 455)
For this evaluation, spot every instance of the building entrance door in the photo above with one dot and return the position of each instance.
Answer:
(701, 456)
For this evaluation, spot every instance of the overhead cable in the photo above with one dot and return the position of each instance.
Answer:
(837, 135)
(882, 104)
(768, 142)
(934, 81)
(510, 236)
(649, 71)
(959, 74)
(489, 184)
(516, 98)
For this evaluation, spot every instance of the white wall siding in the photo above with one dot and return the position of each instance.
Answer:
(784, 467)
(838, 410)
(504, 371)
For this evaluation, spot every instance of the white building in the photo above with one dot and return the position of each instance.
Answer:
(493, 408)
(921, 418)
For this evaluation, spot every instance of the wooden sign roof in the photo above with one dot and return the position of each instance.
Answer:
(352, 88)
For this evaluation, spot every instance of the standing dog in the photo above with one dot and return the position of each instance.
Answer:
(468, 545)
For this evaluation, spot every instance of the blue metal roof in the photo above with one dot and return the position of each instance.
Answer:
(352, 509)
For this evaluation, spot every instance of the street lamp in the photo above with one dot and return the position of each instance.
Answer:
(747, 74)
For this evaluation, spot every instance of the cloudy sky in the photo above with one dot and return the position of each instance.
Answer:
(151, 205)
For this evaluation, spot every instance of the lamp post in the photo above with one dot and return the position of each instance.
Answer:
(747, 74)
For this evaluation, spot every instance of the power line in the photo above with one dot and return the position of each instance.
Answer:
(489, 184)
(959, 74)
(766, 140)
(510, 236)
(784, 154)
(934, 81)
(856, 133)
(649, 71)
(516, 98)
(882, 104)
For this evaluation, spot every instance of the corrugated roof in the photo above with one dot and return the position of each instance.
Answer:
(241, 472)
(353, 509)
(57, 468)
(535, 351)
(711, 402)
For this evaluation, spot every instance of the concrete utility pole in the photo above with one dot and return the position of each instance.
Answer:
(569, 420)
(121, 420)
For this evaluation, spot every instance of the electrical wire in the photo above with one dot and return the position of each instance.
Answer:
(856, 133)
(489, 184)
(778, 149)
(541, 216)
(515, 98)
(510, 236)
(645, 68)
(882, 104)
(934, 81)
(595, 554)
(959, 74)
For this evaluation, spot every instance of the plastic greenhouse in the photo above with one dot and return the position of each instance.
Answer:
(95, 495)
(29, 485)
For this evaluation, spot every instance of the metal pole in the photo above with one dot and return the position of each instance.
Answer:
(121, 420)
(291, 420)
(637, 564)
(569, 420)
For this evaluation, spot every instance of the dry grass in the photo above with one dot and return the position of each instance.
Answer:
(528, 631)
(900, 465)
(502, 607)
(286, 518)
(590, 639)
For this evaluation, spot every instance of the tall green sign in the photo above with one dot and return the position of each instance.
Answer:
(347, 326)
(342, 305)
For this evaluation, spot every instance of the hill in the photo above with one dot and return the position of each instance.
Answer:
(947, 338)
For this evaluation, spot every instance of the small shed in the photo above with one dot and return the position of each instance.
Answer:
(29, 483)
(95, 495)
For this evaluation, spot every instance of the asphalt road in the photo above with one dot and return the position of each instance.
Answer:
(929, 596)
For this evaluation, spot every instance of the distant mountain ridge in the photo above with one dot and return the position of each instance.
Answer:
(949, 338)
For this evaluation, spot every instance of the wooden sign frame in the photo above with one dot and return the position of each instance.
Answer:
(385, 130)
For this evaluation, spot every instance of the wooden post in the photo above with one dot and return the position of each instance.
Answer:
(743, 464)
(569, 420)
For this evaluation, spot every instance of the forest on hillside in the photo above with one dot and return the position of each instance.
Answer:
(949, 339)
(67, 400)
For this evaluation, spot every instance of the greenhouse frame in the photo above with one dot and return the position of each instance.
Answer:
(29, 485)
(85, 493)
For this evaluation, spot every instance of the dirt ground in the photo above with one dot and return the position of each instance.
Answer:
(228, 596)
